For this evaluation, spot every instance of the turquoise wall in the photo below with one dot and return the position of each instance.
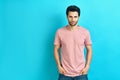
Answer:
(27, 30)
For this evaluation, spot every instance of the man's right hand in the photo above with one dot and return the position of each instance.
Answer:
(61, 70)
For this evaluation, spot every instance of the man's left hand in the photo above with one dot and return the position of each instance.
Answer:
(85, 70)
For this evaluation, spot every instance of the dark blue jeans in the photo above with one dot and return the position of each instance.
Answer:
(81, 77)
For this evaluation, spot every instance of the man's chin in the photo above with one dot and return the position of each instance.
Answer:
(72, 25)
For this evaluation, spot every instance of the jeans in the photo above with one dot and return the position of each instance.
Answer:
(81, 77)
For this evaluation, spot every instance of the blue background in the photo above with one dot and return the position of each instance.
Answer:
(27, 30)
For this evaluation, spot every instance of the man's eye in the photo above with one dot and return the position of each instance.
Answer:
(75, 17)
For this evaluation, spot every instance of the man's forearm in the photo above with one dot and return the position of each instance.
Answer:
(88, 57)
(57, 57)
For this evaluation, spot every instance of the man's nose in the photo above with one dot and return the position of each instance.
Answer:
(73, 19)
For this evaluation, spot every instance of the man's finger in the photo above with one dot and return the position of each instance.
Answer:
(81, 72)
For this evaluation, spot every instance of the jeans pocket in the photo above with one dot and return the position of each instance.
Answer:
(63, 77)
(84, 77)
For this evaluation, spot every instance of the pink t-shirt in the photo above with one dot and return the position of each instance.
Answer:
(72, 49)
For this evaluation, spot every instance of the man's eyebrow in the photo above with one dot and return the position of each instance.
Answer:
(70, 16)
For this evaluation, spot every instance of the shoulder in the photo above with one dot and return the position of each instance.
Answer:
(60, 30)
(83, 29)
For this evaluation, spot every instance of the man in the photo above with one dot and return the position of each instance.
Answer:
(71, 40)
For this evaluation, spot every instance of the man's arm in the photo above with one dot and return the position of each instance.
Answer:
(57, 58)
(88, 59)
(89, 55)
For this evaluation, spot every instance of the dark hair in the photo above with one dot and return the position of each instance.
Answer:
(73, 8)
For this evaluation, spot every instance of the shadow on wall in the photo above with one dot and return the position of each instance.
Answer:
(49, 65)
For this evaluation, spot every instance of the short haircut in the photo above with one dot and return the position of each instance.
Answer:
(73, 8)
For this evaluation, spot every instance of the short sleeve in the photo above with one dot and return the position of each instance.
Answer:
(57, 39)
(88, 39)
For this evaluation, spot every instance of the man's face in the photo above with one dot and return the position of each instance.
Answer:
(72, 18)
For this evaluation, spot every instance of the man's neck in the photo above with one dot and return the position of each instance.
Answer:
(72, 28)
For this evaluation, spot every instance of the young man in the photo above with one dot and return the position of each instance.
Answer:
(71, 39)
